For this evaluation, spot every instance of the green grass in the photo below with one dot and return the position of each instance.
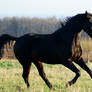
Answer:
(11, 79)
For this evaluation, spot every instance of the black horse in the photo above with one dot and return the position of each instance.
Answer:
(61, 47)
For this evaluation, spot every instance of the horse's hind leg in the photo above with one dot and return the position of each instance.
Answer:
(39, 66)
(82, 64)
(26, 64)
(73, 68)
(25, 75)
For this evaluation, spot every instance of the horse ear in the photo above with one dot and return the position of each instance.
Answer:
(86, 12)
(88, 15)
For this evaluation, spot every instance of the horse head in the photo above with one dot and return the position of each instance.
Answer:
(87, 24)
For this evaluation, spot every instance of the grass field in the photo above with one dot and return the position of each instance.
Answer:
(86, 44)
(11, 80)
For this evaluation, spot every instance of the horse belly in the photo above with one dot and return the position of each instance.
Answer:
(49, 59)
(49, 56)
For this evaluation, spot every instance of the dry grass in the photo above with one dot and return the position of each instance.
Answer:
(11, 80)
(86, 44)
(87, 49)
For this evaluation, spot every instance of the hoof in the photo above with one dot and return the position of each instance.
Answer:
(52, 89)
(68, 84)
(28, 85)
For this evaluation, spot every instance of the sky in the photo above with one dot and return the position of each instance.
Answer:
(43, 8)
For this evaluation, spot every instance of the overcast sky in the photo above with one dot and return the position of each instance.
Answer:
(43, 8)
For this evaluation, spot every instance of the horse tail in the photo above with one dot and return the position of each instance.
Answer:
(5, 38)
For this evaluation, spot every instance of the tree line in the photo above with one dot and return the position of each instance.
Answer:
(16, 26)
(19, 26)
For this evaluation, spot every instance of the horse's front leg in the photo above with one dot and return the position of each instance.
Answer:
(82, 64)
(73, 68)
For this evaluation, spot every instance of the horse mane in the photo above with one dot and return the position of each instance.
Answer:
(63, 24)
(68, 21)
(65, 21)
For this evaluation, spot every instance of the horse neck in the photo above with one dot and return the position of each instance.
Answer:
(68, 32)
